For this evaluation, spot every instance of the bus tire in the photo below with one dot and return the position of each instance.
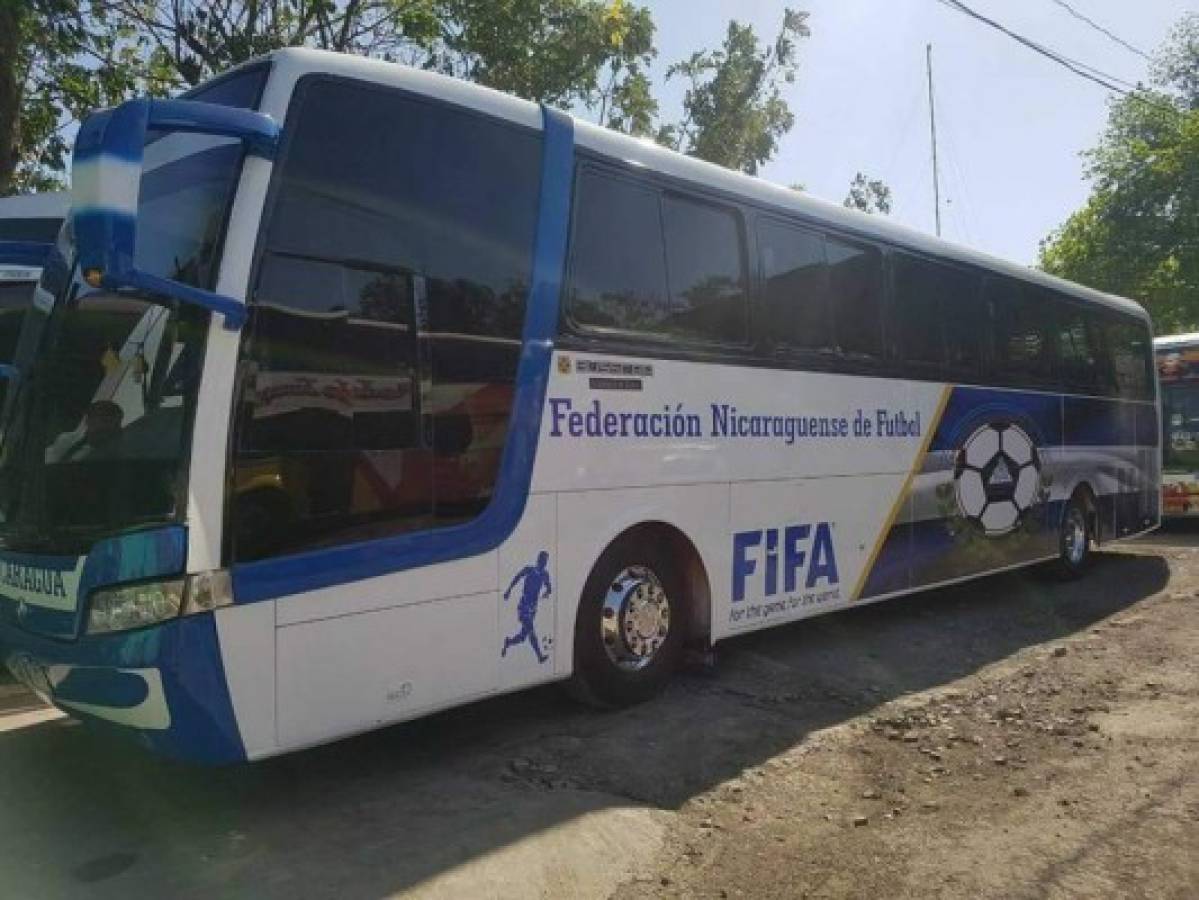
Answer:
(1074, 538)
(631, 626)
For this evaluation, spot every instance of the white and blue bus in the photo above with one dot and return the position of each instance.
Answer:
(365, 392)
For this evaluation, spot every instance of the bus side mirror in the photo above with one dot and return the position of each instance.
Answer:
(106, 181)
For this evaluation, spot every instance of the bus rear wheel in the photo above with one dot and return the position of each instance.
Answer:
(631, 626)
(1074, 538)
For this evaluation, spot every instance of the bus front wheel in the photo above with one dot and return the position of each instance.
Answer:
(631, 625)
(1074, 538)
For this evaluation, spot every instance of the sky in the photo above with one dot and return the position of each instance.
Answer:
(1011, 124)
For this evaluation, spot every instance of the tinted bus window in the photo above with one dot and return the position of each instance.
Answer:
(916, 314)
(856, 287)
(380, 366)
(1131, 352)
(1079, 349)
(938, 315)
(705, 265)
(795, 308)
(967, 324)
(655, 264)
(1022, 330)
(14, 297)
(41, 230)
(618, 277)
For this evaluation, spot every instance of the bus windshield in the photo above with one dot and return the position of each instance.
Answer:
(1180, 417)
(95, 438)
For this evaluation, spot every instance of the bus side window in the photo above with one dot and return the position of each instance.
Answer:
(795, 293)
(967, 319)
(656, 265)
(1079, 349)
(379, 370)
(1130, 349)
(856, 286)
(1023, 354)
(706, 273)
(618, 256)
(921, 291)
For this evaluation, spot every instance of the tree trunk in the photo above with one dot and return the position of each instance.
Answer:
(11, 13)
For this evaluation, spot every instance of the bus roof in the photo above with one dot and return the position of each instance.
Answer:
(293, 63)
(1175, 341)
(53, 205)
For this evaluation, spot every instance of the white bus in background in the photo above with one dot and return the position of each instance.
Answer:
(574, 402)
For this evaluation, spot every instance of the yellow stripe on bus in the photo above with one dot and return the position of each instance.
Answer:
(917, 465)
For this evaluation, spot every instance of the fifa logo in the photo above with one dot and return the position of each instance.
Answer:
(797, 553)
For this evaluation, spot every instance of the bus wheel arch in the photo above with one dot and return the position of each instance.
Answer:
(1077, 532)
(1093, 516)
(1084, 494)
(656, 561)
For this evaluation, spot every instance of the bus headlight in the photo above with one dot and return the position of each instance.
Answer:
(151, 602)
(135, 605)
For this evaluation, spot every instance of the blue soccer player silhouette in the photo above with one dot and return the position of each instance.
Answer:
(537, 580)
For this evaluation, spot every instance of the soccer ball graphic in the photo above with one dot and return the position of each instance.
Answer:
(997, 475)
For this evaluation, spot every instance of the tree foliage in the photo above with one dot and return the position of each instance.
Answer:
(60, 58)
(734, 112)
(1138, 234)
(869, 195)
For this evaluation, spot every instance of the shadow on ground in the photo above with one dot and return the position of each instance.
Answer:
(370, 816)
(1173, 534)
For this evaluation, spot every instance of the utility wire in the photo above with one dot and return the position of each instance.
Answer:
(1090, 73)
(1115, 37)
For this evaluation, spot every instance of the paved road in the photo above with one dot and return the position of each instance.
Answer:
(527, 795)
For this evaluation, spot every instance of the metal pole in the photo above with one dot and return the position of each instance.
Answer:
(932, 119)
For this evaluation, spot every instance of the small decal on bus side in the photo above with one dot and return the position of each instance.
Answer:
(535, 587)
(614, 384)
(612, 367)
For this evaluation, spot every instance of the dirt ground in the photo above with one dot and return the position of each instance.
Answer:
(1014, 737)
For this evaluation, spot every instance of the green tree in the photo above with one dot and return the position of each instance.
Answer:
(58, 58)
(1138, 234)
(734, 112)
(73, 55)
(870, 195)
(551, 51)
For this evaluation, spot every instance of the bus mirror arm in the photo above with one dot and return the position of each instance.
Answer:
(106, 178)
(234, 311)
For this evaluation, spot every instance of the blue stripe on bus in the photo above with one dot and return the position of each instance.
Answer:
(1094, 422)
(1051, 420)
(1040, 415)
(187, 656)
(1148, 430)
(280, 577)
(153, 553)
(24, 253)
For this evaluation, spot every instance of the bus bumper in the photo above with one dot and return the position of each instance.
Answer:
(1180, 496)
(162, 686)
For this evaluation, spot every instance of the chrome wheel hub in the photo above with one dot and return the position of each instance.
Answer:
(1075, 536)
(635, 619)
